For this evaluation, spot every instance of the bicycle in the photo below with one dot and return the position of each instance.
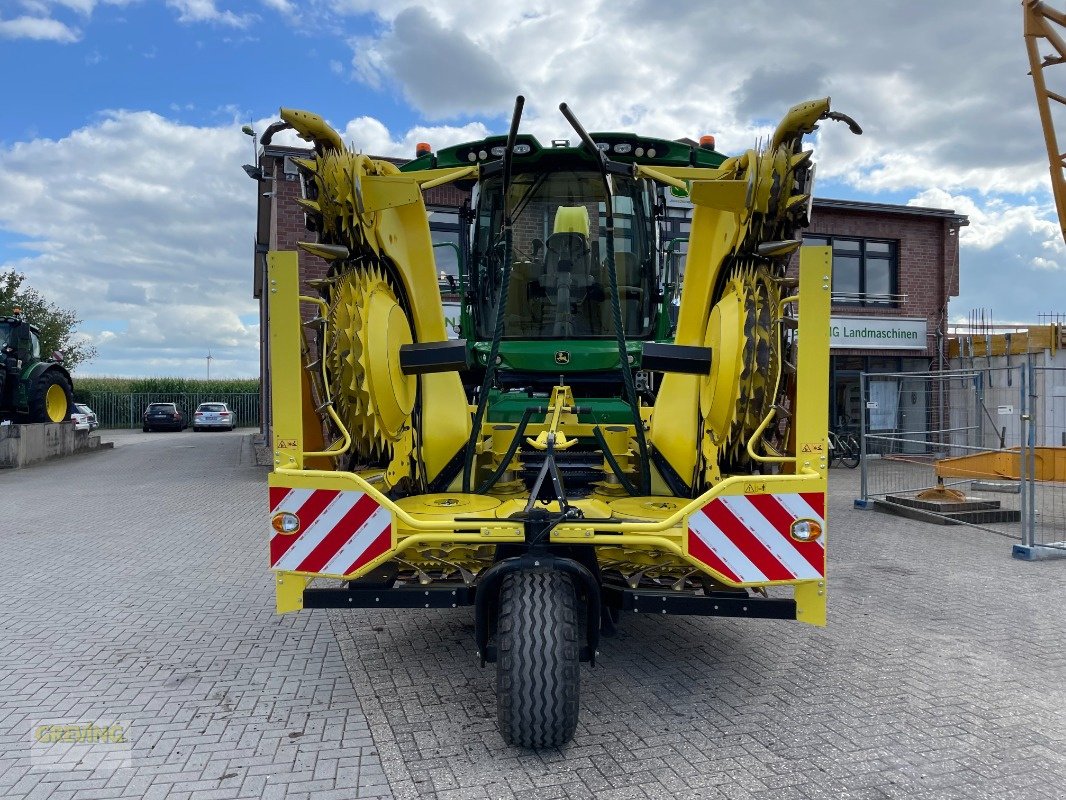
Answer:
(844, 447)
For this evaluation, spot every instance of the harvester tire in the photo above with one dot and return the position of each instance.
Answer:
(537, 666)
(51, 398)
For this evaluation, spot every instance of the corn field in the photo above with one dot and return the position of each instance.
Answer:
(85, 387)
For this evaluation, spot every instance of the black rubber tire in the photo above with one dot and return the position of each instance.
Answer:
(852, 454)
(39, 391)
(537, 666)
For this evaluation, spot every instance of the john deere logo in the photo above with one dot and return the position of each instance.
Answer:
(562, 357)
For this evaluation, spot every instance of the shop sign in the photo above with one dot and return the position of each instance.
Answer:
(878, 333)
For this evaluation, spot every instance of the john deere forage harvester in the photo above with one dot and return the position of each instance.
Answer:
(578, 455)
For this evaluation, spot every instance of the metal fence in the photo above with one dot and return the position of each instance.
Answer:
(1044, 459)
(125, 410)
(978, 447)
(958, 432)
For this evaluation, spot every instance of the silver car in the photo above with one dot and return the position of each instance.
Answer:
(213, 415)
(81, 408)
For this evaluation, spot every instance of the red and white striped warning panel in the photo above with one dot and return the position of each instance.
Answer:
(339, 531)
(748, 539)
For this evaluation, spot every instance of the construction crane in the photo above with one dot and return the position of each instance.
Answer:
(1047, 25)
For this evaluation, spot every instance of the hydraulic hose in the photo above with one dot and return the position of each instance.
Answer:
(616, 305)
(520, 431)
(615, 468)
(501, 301)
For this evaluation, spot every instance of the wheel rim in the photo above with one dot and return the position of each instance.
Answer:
(55, 403)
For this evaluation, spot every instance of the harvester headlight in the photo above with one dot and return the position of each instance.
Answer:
(471, 156)
(805, 530)
(638, 152)
(623, 147)
(651, 152)
(285, 522)
(482, 154)
(518, 150)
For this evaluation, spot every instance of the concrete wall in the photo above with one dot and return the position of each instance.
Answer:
(1045, 390)
(21, 445)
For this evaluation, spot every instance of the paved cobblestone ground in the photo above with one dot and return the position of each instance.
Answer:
(941, 675)
(134, 587)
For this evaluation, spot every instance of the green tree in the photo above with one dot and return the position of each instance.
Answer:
(57, 326)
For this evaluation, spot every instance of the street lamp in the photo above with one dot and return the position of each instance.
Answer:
(253, 171)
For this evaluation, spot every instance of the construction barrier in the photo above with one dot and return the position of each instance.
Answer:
(978, 447)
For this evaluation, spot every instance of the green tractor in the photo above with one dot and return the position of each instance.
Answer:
(32, 389)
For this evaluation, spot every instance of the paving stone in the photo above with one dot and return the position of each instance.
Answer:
(939, 675)
(163, 616)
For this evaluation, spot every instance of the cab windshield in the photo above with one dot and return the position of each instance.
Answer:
(559, 286)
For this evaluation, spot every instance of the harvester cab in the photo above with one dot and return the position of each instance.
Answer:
(598, 442)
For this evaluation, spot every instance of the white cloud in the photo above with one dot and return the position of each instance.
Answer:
(83, 7)
(139, 220)
(1045, 263)
(473, 81)
(370, 136)
(941, 91)
(281, 6)
(1007, 253)
(41, 20)
(144, 226)
(143, 220)
(190, 11)
(39, 28)
(994, 220)
(934, 113)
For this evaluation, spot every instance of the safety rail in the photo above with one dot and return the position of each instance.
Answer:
(733, 485)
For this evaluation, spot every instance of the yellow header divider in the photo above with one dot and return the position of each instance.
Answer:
(812, 416)
(283, 314)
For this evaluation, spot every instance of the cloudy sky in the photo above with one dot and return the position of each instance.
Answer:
(121, 193)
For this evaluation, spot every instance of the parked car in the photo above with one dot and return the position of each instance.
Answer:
(213, 415)
(80, 420)
(164, 416)
(81, 408)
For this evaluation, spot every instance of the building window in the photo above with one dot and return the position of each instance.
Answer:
(865, 271)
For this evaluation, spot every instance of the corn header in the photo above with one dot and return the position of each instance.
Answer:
(605, 438)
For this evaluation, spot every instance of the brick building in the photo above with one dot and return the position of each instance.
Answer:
(894, 270)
